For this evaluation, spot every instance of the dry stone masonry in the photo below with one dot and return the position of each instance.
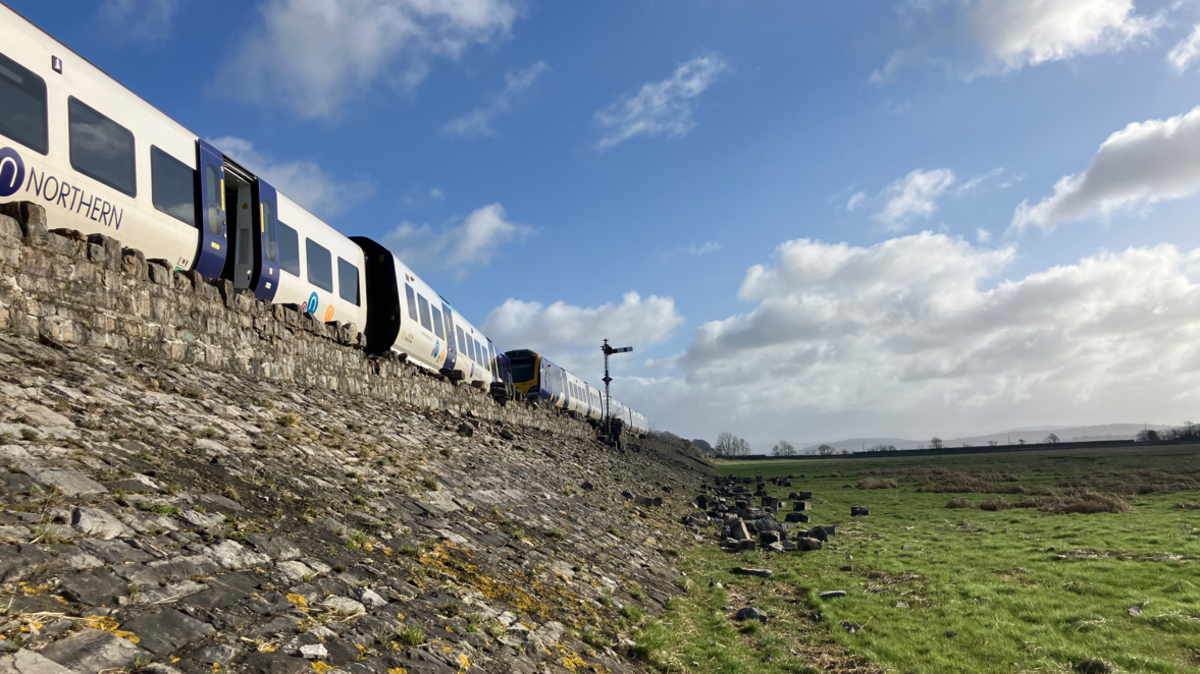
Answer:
(194, 482)
(62, 287)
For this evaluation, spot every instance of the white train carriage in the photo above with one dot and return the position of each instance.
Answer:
(97, 157)
(407, 316)
(322, 268)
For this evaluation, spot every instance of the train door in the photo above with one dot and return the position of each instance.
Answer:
(253, 259)
(451, 345)
(210, 260)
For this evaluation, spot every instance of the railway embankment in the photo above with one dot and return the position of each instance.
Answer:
(191, 481)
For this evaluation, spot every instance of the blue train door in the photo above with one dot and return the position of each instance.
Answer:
(451, 348)
(210, 260)
(266, 281)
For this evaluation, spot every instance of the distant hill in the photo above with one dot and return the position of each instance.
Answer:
(1014, 436)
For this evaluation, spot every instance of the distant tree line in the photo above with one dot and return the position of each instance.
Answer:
(1188, 431)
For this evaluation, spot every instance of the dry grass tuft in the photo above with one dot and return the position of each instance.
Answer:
(1083, 501)
(1187, 506)
(876, 483)
(959, 503)
(956, 482)
(995, 504)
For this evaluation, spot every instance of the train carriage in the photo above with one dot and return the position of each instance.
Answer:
(96, 156)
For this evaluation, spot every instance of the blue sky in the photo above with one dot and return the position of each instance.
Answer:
(817, 204)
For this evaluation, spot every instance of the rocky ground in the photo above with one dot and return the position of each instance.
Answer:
(163, 518)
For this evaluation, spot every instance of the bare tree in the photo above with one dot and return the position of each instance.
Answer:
(936, 443)
(826, 450)
(726, 444)
(993, 443)
(1147, 436)
(743, 447)
(1051, 439)
(883, 448)
(845, 451)
(784, 448)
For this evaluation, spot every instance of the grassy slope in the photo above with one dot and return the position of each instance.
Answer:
(1019, 589)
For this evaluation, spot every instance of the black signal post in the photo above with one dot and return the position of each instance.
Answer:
(608, 351)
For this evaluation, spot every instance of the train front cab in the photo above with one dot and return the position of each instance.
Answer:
(526, 367)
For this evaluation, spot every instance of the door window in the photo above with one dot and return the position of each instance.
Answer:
(450, 329)
(101, 148)
(212, 200)
(462, 343)
(272, 242)
(23, 106)
(173, 186)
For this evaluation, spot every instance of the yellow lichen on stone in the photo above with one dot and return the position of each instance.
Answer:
(110, 625)
(321, 667)
(397, 670)
(463, 663)
(298, 600)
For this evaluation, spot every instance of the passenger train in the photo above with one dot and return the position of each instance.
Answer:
(102, 160)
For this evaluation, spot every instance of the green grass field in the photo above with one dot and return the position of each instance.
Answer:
(933, 589)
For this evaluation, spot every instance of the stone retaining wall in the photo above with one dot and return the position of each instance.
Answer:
(66, 288)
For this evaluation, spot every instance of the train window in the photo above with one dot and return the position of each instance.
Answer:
(101, 148)
(173, 186)
(348, 281)
(438, 326)
(320, 265)
(270, 220)
(412, 302)
(522, 369)
(23, 106)
(289, 250)
(425, 320)
(214, 184)
(462, 342)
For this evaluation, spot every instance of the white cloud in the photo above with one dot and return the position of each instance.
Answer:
(856, 201)
(140, 20)
(978, 38)
(914, 195)
(418, 196)
(706, 247)
(659, 108)
(460, 248)
(978, 181)
(1137, 166)
(570, 335)
(982, 235)
(316, 55)
(1017, 33)
(478, 122)
(1186, 52)
(303, 181)
(914, 334)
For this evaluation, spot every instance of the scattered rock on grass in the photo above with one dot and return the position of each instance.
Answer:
(751, 613)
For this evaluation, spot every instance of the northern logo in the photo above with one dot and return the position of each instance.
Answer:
(12, 172)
